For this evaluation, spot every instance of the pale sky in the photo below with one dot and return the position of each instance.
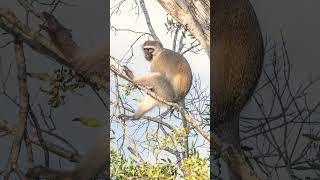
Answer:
(121, 42)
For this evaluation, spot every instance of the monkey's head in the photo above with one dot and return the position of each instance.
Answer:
(151, 48)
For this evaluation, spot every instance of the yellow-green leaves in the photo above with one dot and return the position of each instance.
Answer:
(90, 122)
(122, 168)
(62, 82)
(195, 168)
(41, 76)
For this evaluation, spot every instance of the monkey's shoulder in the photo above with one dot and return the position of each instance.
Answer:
(169, 59)
(172, 55)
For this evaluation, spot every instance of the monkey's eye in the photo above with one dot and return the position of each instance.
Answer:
(149, 50)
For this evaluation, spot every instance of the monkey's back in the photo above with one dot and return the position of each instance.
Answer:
(176, 69)
(237, 54)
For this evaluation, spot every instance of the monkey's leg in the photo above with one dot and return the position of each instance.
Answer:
(145, 106)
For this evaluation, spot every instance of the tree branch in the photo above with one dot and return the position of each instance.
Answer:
(197, 20)
(146, 15)
(23, 109)
(183, 112)
(11, 24)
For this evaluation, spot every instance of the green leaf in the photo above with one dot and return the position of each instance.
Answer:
(41, 76)
(314, 165)
(90, 122)
(312, 137)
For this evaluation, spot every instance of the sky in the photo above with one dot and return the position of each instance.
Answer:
(120, 42)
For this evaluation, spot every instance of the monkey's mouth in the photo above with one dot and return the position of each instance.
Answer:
(148, 53)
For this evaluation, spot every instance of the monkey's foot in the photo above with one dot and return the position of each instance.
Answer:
(123, 117)
(128, 72)
(151, 88)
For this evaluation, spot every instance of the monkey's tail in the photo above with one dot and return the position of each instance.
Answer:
(226, 127)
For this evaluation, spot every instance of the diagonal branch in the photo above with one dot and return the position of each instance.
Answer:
(148, 21)
(11, 24)
(197, 20)
(183, 112)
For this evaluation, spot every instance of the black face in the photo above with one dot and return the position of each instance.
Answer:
(148, 53)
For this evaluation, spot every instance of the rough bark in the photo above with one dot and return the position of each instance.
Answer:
(193, 14)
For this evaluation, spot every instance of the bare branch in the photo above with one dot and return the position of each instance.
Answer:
(146, 15)
(23, 109)
(10, 23)
(183, 112)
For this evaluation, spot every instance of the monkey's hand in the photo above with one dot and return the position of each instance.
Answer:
(123, 117)
(128, 72)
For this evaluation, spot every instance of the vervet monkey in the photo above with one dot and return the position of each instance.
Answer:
(92, 64)
(172, 65)
(170, 77)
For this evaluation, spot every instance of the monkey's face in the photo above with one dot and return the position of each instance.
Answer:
(151, 48)
(148, 53)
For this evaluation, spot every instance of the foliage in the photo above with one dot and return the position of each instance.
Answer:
(62, 82)
(173, 140)
(193, 167)
(89, 121)
(122, 168)
(172, 26)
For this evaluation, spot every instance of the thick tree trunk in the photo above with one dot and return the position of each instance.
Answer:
(193, 14)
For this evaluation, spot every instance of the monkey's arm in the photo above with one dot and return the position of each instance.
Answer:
(154, 82)
(139, 80)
